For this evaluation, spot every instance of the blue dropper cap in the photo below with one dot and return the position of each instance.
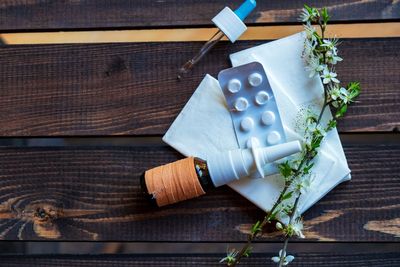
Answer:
(245, 9)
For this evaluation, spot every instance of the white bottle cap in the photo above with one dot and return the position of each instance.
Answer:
(228, 166)
(228, 22)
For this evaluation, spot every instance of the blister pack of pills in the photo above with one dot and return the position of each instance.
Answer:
(252, 106)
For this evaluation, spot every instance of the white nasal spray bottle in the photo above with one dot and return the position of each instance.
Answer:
(228, 166)
(192, 177)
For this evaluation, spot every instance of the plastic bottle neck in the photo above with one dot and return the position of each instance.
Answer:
(203, 174)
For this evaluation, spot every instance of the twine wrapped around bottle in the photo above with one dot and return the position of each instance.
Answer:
(173, 182)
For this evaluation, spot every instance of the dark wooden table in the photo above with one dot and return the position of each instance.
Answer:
(103, 107)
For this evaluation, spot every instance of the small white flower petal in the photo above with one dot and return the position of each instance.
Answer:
(289, 258)
(335, 80)
(276, 259)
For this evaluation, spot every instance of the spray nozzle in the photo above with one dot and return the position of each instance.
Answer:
(228, 166)
(266, 155)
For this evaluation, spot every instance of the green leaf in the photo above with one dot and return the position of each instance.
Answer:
(325, 15)
(285, 169)
(309, 9)
(331, 124)
(354, 90)
(341, 111)
(247, 252)
(256, 228)
(311, 119)
(307, 169)
(316, 142)
(272, 216)
(287, 195)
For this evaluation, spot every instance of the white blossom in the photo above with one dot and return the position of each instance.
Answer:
(344, 95)
(310, 32)
(305, 15)
(286, 259)
(329, 76)
(339, 94)
(330, 44)
(335, 93)
(302, 185)
(314, 66)
(332, 58)
(309, 48)
(230, 256)
(297, 227)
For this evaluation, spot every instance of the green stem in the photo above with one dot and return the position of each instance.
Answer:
(266, 220)
(306, 159)
(323, 107)
(282, 259)
(292, 215)
(322, 36)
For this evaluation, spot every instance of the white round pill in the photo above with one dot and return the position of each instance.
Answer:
(247, 124)
(241, 104)
(255, 79)
(268, 118)
(252, 141)
(273, 138)
(234, 86)
(262, 98)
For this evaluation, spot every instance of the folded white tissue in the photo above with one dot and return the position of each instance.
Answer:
(205, 126)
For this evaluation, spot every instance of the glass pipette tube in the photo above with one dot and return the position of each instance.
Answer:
(203, 51)
(230, 24)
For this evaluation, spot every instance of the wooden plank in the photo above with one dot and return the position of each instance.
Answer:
(131, 89)
(35, 14)
(302, 259)
(77, 193)
(354, 30)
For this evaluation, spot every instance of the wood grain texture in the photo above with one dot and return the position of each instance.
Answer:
(93, 193)
(302, 259)
(39, 14)
(131, 89)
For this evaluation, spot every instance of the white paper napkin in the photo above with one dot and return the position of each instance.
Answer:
(204, 126)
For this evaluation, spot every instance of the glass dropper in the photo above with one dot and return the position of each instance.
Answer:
(203, 51)
(230, 24)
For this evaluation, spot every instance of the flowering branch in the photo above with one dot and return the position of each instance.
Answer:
(321, 56)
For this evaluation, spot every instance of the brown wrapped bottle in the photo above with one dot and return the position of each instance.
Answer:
(199, 167)
(193, 177)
